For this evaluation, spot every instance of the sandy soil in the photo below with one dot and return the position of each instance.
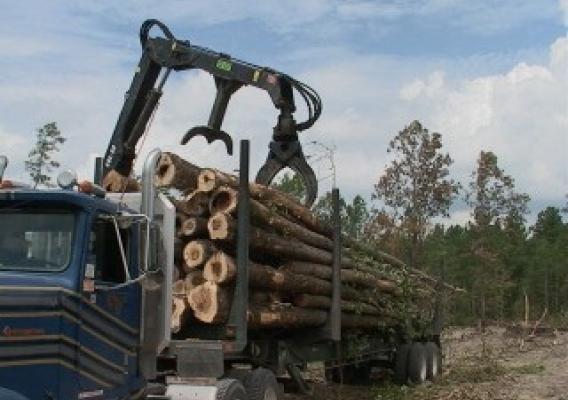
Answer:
(497, 365)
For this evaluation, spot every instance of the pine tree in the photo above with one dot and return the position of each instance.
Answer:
(40, 162)
(498, 211)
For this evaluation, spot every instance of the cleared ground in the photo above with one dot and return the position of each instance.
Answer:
(497, 365)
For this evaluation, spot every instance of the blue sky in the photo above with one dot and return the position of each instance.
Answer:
(486, 74)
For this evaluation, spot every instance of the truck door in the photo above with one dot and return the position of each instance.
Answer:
(111, 311)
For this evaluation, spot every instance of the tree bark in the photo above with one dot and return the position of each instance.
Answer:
(197, 252)
(174, 171)
(196, 204)
(225, 200)
(323, 302)
(210, 302)
(222, 227)
(347, 275)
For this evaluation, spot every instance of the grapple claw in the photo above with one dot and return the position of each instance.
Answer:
(210, 135)
(284, 154)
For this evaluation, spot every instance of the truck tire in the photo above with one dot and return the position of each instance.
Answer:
(401, 364)
(417, 366)
(261, 384)
(433, 361)
(230, 389)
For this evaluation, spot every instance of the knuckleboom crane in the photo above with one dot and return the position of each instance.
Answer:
(161, 55)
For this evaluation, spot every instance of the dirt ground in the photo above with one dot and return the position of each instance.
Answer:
(497, 365)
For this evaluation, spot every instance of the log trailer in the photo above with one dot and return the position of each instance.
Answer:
(85, 274)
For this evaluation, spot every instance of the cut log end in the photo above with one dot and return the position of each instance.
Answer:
(210, 303)
(206, 180)
(116, 183)
(196, 253)
(219, 227)
(220, 268)
(165, 171)
(223, 200)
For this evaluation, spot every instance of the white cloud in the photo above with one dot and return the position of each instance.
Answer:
(563, 5)
(522, 115)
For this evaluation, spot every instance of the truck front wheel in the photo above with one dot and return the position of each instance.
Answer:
(230, 389)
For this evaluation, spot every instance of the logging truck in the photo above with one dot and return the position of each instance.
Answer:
(86, 295)
(110, 289)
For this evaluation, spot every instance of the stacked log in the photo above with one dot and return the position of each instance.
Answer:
(291, 253)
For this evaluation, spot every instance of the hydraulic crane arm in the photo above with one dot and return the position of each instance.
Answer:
(161, 55)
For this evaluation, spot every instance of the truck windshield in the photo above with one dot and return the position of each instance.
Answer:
(35, 240)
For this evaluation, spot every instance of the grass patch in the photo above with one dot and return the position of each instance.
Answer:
(528, 369)
(486, 370)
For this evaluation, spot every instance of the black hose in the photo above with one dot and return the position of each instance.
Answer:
(148, 25)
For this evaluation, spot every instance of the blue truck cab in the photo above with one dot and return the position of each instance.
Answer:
(83, 304)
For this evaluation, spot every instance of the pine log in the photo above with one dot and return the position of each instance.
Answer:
(304, 300)
(197, 252)
(258, 296)
(174, 171)
(196, 204)
(192, 228)
(210, 302)
(209, 180)
(116, 183)
(265, 318)
(225, 200)
(347, 275)
(266, 277)
(220, 268)
(222, 227)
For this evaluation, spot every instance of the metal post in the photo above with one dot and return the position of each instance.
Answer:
(335, 311)
(238, 317)
(98, 176)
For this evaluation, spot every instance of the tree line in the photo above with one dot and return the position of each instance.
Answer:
(503, 263)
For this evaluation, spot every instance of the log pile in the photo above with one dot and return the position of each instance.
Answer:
(290, 254)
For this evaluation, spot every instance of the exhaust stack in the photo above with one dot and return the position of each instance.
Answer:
(3, 165)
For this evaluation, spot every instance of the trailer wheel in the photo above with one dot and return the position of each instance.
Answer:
(417, 366)
(433, 360)
(230, 389)
(261, 384)
(401, 364)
